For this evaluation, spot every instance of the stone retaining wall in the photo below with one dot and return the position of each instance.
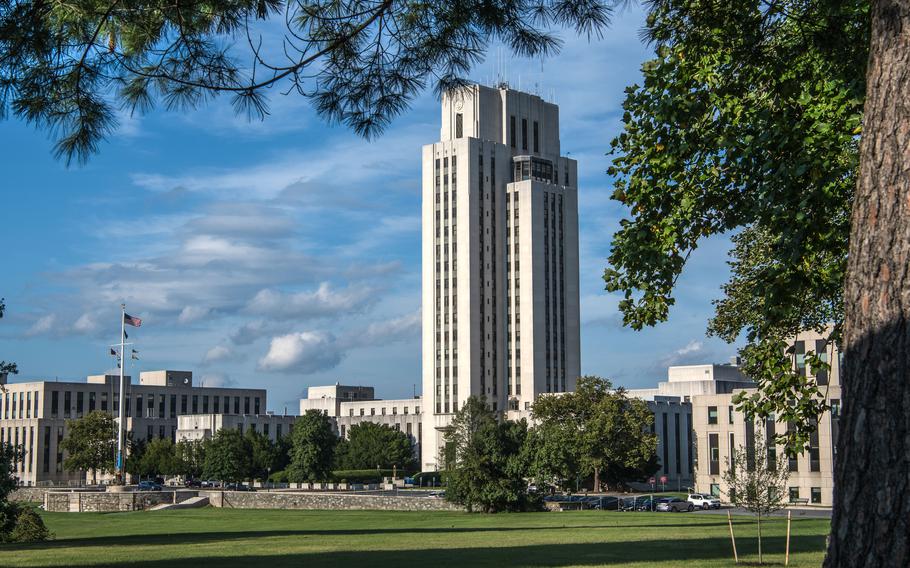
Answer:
(324, 501)
(34, 494)
(103, 502)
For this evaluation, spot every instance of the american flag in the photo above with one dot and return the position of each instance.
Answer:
(131, 320)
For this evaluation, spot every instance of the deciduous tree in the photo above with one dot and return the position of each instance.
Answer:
(786, 120)
(89, 444)
(312, 448)
(227, 456)
(757, 481)
(594, 431)
(372, 445)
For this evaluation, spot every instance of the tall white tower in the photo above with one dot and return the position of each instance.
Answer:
(500, 258)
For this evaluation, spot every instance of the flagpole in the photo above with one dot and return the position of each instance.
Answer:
(120, 398)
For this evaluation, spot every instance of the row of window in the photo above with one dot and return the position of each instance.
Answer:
(69, 404)
(524, 133)
(382, 410)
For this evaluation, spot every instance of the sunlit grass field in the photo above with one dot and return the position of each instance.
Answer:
(220, 538)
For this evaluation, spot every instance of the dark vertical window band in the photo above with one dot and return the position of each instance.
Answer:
(821, 351)
(458, 126)
(666, 463)
(678, 435)
(524, 133)
(536, 138)
(512, 130)
(713, 454)
(689, 441)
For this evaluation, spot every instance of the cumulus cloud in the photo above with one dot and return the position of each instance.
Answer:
(87, 323)
(219, 353)
(322, 302)
(190, 314)
(303, 352)
(691, 347)
(249, 332)
(217, 380)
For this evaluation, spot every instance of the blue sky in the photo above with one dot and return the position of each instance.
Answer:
(286, 253)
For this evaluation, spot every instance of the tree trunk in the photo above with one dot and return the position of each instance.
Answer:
(759, 539)
(596, 480)
(871, 521)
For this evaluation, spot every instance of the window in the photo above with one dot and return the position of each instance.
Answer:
(67, 403)
(246, 405)
(91, 401)
(816, 494)
(28, 404)
(183, 400)
(524, 133)
(103, 403)
(216, 405)
(794, 494)
(712, 415)
(713, 455)
(715, 490)
(536, 141)
(665, 465)
(139, 406)
(770, 433)
(821, 350)
(458, 131)
(512, 130)
(814, 462)
(236, 405)
(205, 404)
(195, 404)
(799, 349)
(256, 407)
(173, 412)
(730, 414)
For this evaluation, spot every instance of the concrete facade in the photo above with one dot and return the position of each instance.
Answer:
(500, 258)
(203, 426)
(352, 405)
(34, 415)
(719, 428)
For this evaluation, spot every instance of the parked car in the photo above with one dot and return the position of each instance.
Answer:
(149, 486)
(237, 487)
(674, 505)
(703, 501)
(192, 483)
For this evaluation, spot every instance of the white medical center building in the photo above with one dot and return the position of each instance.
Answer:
(500, 259)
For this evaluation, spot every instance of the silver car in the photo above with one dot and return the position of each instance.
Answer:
(674, 505)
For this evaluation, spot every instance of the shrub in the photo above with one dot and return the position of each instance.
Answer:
(279, 477)
(29, 527)
(364, 475)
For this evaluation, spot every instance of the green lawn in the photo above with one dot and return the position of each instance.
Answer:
(218, 538)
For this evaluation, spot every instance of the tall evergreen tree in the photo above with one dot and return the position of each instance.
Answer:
(66, 68)
(485, 460)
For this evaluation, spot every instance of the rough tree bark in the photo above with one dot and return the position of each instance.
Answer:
(871, 522)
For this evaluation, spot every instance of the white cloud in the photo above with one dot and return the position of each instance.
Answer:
(218, 353)
(322, 302)
(87, 323)
(303, 352)
(217, 380)
(388, 331)
(191, 314)
(44, 324)
(691, 347)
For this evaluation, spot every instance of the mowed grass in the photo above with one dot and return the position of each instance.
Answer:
(220, 538)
